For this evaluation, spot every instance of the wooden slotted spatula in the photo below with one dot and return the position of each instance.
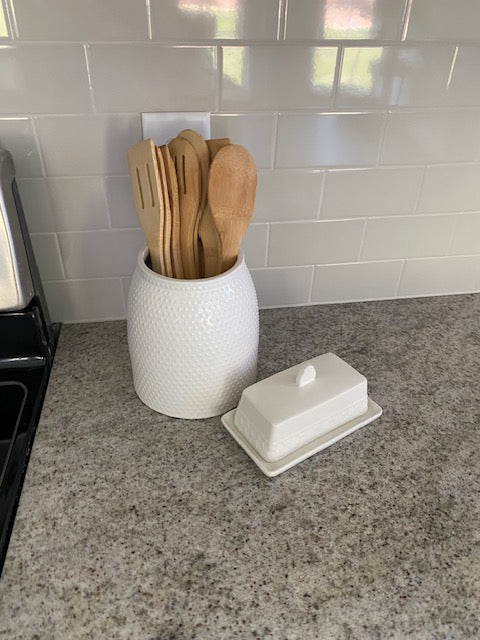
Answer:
(167, 216)
(187, 168)
(172, 188)
(147, 196)
(231, 193)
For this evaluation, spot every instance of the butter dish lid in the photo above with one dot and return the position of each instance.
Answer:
(302, 388)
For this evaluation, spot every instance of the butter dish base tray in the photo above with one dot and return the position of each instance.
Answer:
(272, 469)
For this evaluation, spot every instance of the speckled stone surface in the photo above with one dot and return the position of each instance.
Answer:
(138, 526)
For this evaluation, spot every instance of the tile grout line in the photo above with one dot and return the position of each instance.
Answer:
(400, 276)
(11, 19)
(149, 19)
(219, 76)
(310, 286)
(37, 144)
(273, 146)
(362, 240)
(267, 246)
(321, 195)
(62, 266)
(336, 76)
(420, 189)
(406, 20)
(86, 50)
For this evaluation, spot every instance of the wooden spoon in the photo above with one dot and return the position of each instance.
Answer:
(215, 144)
(145, 180)
(210, 251)
(231, 193)
(172, 188)
(167, 216)
(187, 168)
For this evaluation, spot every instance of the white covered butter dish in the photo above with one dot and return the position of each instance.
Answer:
(291, 415)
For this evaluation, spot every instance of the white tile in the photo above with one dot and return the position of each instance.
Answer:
(463, 90)
(466, 237)
(381, 191)
(88, 144)
(344, 20)
(282, 287)
(316, 140)
(395, 76)
(450, 188)
(45, 78)
(440, 275)
(16, 135)
(407, 237)
(302, 243)
(4, 24)
(85, 300)
(277, 77)
(253, 131)
(121, 208)
(355, 281)
(208, 20)
(431, 136)
(254, 245)
(36, 204)
(47, 256)
(96, 254)
(444, 20)
(138, 77)
(78, 204)
(73, 20)
(288, 195)
(126, 282)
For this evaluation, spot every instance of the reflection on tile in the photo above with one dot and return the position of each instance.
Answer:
(444, 20)
(47, 256)
(278, 77)
(395, 76)
(137, 77)
(316, 140)
(407, 237)
(355, 281)
(437, 136)
(344, 19)
(466, 237)
(3, 23)
(87, 145)
(288, 195)
(253, 131)
(73, 20)
(314, 242)
(85, 300)
(450, 188)
(44, 79)
(382, 191)
(120, 202)
(92, 254)
(282, 287)
(186, 21)
(254, 245)
(440, 275)
(16, 135)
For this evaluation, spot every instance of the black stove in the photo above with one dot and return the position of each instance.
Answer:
(27, 345)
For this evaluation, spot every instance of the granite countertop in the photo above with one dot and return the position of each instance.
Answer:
(138, 526)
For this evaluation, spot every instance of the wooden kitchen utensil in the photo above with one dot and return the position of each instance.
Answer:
(187, 168)
(215, 144)
(210, 250)
(172, 188)
(167, 216)
(231, 193)
(145, 180)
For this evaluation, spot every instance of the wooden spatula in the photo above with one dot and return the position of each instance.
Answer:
(231, 193)
(167, 216)
(172, 188)
(215, 144)
(187, 168)
(145, 179)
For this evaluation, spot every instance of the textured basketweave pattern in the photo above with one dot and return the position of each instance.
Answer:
(193, 344)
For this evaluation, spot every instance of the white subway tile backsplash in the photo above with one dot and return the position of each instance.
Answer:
(85, 300)
(120, 202)
(73, 20)
(431, 137)
(17, 135)
(206, 20)
(125, 76)
(444, 20)
(87, 144)
(435, 276)
(282, 287)
(344, 19)
(254, 131)
(395, 76)
(298, 243)
(288, 195)
(37, 204)
(463, 90)
(106, 253)
(407, 237)
(277, 77)
(449, 188)
(44, 79)
(317, 140)
(78, 204)
(355, 281)
(381, 191)
(47, 256)
(466, 237)
(254, 245)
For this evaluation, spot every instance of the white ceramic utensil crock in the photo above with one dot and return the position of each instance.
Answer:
(193, 343)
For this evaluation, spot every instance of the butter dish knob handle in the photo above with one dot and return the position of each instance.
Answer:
(306, 375)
